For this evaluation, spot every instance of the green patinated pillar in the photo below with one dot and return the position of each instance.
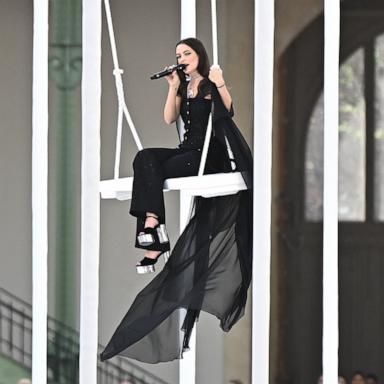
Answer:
(65, 78)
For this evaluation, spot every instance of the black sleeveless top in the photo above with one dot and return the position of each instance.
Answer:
(195, 114)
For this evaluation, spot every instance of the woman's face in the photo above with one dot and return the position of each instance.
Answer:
(357, 379)
(186, 55)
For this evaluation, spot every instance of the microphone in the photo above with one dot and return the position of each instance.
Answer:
(168, 71)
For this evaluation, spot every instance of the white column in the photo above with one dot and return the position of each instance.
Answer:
(187, 365)
(188, 18)
(330, 235)
(208, 134)
(263, 103)
(40, 191)
(90, 197)
(215, 50)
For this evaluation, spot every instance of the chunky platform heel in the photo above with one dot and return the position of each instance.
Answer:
(152, 239)
(147, 265)
(150, 235)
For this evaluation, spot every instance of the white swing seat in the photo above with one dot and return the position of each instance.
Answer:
(218, 184)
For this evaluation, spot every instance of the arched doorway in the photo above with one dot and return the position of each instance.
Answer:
(361, 197)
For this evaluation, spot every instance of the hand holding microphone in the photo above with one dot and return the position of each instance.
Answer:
(168, 71)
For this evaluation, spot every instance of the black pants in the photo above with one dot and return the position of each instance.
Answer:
(151, 167)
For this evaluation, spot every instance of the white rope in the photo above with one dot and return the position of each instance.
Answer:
(111, 34)
(119, 129)
(262, 194)
(230, 154)
(330, 227)
(40, 191)
(90, 196)
(204, 153)
(123, 109)
(214, 32)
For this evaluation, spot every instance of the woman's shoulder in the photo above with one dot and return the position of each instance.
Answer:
(204, 89)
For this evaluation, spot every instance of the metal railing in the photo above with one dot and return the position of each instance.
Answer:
(63, 348)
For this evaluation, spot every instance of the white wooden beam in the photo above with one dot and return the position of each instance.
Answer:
(187, 365)
(215, 50)
(330, 227)
(263, 106)
(40, 191)
(188, 19)
(90, 198)
(217, 184)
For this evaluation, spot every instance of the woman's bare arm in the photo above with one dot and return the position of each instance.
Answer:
(216, 76)
(172, 104)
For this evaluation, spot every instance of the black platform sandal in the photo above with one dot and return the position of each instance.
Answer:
(152, 239)
(148, 236)
(147, 265)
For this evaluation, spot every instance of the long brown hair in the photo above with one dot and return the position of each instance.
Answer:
(202, 67)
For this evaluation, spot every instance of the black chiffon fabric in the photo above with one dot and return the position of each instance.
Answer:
(209, 268)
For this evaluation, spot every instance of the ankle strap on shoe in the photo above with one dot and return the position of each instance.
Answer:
(158, 237)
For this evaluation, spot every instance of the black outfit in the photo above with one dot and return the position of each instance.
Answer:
(153, 165)
(210, 265)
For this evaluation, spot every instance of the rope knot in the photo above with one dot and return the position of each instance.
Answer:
(118, 71)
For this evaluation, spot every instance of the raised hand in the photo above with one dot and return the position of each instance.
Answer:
(216, 75)
(173, 79)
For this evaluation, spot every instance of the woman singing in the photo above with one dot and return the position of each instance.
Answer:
(210, 266)
(152, 166)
